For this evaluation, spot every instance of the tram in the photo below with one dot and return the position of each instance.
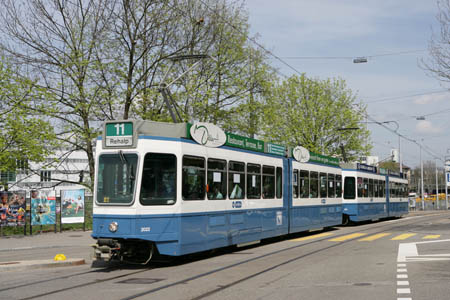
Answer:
(178, 188)
(372, 193)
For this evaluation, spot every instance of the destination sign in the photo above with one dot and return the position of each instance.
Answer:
(119, 134)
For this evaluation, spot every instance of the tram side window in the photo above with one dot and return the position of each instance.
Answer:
(375, 187)
(323, 185)
(349, 188)
(217, 179)
(304, 184)
(371, 188)
(295, 185)
(253, 181)
(279, 182)
(339, 186)
(366, 187)
(360, 187)
(268, 182)
(193, 178)
(159, 179)
(331, 186)
(314, 185)
(236, 180)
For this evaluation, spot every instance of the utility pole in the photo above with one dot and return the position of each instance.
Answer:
(437, 190)
(421, 178)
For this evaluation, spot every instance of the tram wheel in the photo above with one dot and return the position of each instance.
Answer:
(345, 220)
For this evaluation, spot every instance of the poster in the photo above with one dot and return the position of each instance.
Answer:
(72, 206)
(43, 207)
(12, 208)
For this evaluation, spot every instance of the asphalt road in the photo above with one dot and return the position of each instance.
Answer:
(406, 258)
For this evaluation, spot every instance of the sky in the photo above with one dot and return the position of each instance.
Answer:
(394, 35)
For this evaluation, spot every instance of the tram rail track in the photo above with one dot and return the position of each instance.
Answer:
(375, 228)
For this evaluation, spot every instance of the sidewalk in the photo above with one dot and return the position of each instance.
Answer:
(38, 251)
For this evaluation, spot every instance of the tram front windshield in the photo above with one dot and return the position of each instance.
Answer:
(116, 178)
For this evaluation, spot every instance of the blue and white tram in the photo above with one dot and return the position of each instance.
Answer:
(156, 189)
(371, 194)
(316, 193)
(398, 195)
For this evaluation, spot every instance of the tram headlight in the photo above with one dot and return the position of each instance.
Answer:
(113, 226)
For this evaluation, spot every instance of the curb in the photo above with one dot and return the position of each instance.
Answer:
(39, 264)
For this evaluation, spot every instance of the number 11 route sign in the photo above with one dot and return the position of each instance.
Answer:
(119, 134)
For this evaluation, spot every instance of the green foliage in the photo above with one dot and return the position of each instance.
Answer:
(312, 113)
(23, 136)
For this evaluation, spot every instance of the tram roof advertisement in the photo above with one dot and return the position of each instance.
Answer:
(72, 210)
(43, 207)
(12, 208)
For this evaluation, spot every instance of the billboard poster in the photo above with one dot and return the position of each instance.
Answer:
(43, 208)
(72, 206)
(12, 208)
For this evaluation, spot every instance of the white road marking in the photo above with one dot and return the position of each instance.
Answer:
(402, 270)
(402, 282)
(402, 276)
(403, 291)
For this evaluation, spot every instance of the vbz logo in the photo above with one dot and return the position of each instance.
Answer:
(236, 204)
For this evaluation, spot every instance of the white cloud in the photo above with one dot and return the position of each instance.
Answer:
(426, 127)
(431, 99)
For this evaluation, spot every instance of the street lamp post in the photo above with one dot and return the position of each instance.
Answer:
(421, 178)
(437, 190)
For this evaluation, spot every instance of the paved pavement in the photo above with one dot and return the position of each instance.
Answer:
(46, 246)
(62, 242)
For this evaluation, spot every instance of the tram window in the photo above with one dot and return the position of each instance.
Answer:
(279, 182)
(331, 186)
(360, 187)
(193, 178)
(366, 187)
(371, 188)
(116, 178)
(383, 189)
(323, 185)
(253, 181)
(268, 182)
(304, 184)
(236, 180)
(314, 185)
(376, 194)
(159, 179)
(216, 188)
(349, 188)
(295, 185)
(338, 186)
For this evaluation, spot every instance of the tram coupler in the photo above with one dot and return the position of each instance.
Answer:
(106, 249)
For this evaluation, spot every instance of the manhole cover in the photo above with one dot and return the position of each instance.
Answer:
(9, 263)
(141, 280)
(362, 284)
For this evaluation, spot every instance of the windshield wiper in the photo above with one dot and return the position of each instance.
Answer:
(123, 159)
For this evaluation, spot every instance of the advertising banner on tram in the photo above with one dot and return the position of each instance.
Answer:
(43, 207)
(72, 206)
(12, 208)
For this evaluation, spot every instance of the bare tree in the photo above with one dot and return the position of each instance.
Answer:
(55, 42)
(439, 45)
